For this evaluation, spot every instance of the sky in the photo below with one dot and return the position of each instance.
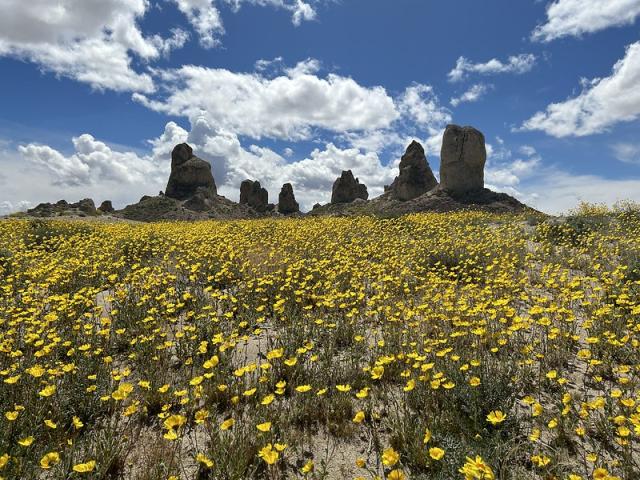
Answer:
(94, 94)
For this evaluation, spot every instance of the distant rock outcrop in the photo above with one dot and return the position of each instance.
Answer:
(189, 175)
(84, 207)
(416, 177)
(252, 194)
(347, 188)
(462, 160)
(106, 207)
(287, 201)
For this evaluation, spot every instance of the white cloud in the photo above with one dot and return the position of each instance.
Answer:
(516, 64)
(93, 162)
(557, 191)
(420, 104)
(627, 152)
(204, 16)
(301, 10)
(87, 40)
(602, 104)
(503, 173)
(101, 43)
(578, 17)
(287, 107)
(473, 94)
(310, 66)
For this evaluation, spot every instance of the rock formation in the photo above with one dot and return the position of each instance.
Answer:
(416, 177)
(63, 208)
(462, 160)
(346, 189)
(189, 175)
(252, 194)
(106, 207)
(287, 200)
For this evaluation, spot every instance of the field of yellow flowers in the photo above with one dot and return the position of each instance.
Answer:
(432, 346)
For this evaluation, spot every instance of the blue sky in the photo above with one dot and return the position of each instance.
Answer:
(94, 94)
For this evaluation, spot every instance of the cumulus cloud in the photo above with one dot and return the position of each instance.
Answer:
(516, 64)
(420, 104)
(473, 94)
(286, 107)
(93, 162)
(91, 41)
(578, 17)
(603, 103)
(101, 43)
(205, 18)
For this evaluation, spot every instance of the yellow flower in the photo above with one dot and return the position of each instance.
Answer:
(11, 416)
(600, 474)
(50, 423)
(343, 388)
(540, 460)
(201, 416)
(47, 391)
(4, 459)
(268, 454)
(85, 467)
(436, 453)
(49, 460)
(474, 381)
(396, 474)
(390, 457)
(203, 459)
(171, 435)
(77, 423)
(302, 389)
(359, 417)
(377, 372)
(427, 436)
(26, 442)
(123, 391)
(268, 399)
(476, 469)
(363, 393)
(307, 468)
(495, 417)
(227, 424)
(174, 421)
(264, 427)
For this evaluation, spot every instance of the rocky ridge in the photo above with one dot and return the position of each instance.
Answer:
(191, 192)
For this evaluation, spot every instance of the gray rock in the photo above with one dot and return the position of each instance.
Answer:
(347, 188)
(188, 174)
(416, 177)
(252, 194)
(106, 207)
(462, 160)
(201, 201)
(287, 200)
(86, 205)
